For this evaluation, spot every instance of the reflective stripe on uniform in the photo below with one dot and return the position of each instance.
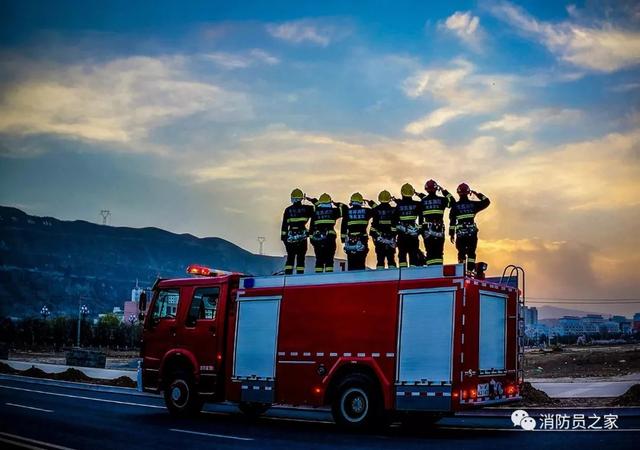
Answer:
(331, 221)
(471, 260)
(288, 267)
(466, 216)
(433, 211)
(357, 222)
(328, 269)
(319, 269)
(434, 261)
(403, 264)
(297, 219)
(408, 217)
(384, 222)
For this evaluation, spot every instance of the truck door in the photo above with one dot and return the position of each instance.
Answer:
(159, 333)
(425, 343)
(200, 335)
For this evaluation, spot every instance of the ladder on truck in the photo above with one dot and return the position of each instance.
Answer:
(515, 271)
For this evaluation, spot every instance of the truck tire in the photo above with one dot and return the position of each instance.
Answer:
(356, 403)
(181, 396)
(253, 410)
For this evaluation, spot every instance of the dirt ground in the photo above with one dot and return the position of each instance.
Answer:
(581, 362)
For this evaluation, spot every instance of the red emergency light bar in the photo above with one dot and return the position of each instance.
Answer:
(204, 271)
(196, 269)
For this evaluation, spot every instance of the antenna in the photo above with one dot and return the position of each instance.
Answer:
(105, 213)
(261, 240)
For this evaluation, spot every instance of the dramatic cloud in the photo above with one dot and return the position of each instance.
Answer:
(460, 89)
(603, 48)
(117, 101)
(533, 119)
(465, 26)
(313, 31)
(241, 61)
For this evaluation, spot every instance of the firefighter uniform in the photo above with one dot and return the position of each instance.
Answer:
(433, 230)
(407, 213)
(294, 232)
(462, 224)
(353, 232)
(323, 234)
(383, 230)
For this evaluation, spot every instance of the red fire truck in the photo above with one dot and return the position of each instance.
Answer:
(364, 343)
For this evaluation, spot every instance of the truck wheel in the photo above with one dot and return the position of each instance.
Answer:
(251, 409)
(356, 404)
(180, 395)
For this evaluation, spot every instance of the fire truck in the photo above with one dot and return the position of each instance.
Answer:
(366, 344)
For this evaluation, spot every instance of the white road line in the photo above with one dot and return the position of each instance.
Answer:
(57, 394)
(536, 430)
(33, 441)
(28, 407)
(224, 436)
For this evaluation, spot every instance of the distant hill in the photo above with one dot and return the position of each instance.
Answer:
(44, 260)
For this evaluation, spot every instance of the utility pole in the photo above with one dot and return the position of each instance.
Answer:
(105, 213)
(261, 240)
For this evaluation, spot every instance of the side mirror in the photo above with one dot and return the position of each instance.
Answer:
(142, 302)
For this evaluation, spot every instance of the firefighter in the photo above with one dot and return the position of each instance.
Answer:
(294, 232)
(407, 213)
(353, 232)
(462, 224)
(322, 231)
(383, 230)
(433, 231)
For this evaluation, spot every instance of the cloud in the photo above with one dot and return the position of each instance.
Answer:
(119, 101)
(603, 48)
(313, 31)
(460, 89)
(241, 61)
(532, 120)
(465, 26)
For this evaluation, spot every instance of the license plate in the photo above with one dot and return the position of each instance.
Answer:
(483, 390)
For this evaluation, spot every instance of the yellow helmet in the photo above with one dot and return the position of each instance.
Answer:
(324, 198)
(384, 197)
(297, 194)
(357, 197)
(407, 190)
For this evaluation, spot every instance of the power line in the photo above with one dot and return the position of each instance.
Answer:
(586, 299)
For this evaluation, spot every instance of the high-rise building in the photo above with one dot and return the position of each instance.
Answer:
(530, 315)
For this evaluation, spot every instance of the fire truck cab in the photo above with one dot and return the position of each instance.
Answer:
(366, 343)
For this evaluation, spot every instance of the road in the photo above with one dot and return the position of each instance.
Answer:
(44, 416)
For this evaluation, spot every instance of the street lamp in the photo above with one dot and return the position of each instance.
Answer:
(83, 312)
(44, 312)
(132, 318)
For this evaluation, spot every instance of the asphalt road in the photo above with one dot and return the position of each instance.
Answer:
(44, 416)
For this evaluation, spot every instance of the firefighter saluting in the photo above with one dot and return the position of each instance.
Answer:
(462, 224)
(407, 212)
(383, 230)
(353, 232)
(322, 231)
(433, 231)
(294, 232)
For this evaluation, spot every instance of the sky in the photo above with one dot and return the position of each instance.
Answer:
(200, 117)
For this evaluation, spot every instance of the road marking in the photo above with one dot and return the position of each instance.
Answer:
(32, 441)
(224, 436)
(57, 394)
(520, 429)
(28, 407)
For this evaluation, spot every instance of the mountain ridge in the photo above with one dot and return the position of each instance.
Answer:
(45, 260)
